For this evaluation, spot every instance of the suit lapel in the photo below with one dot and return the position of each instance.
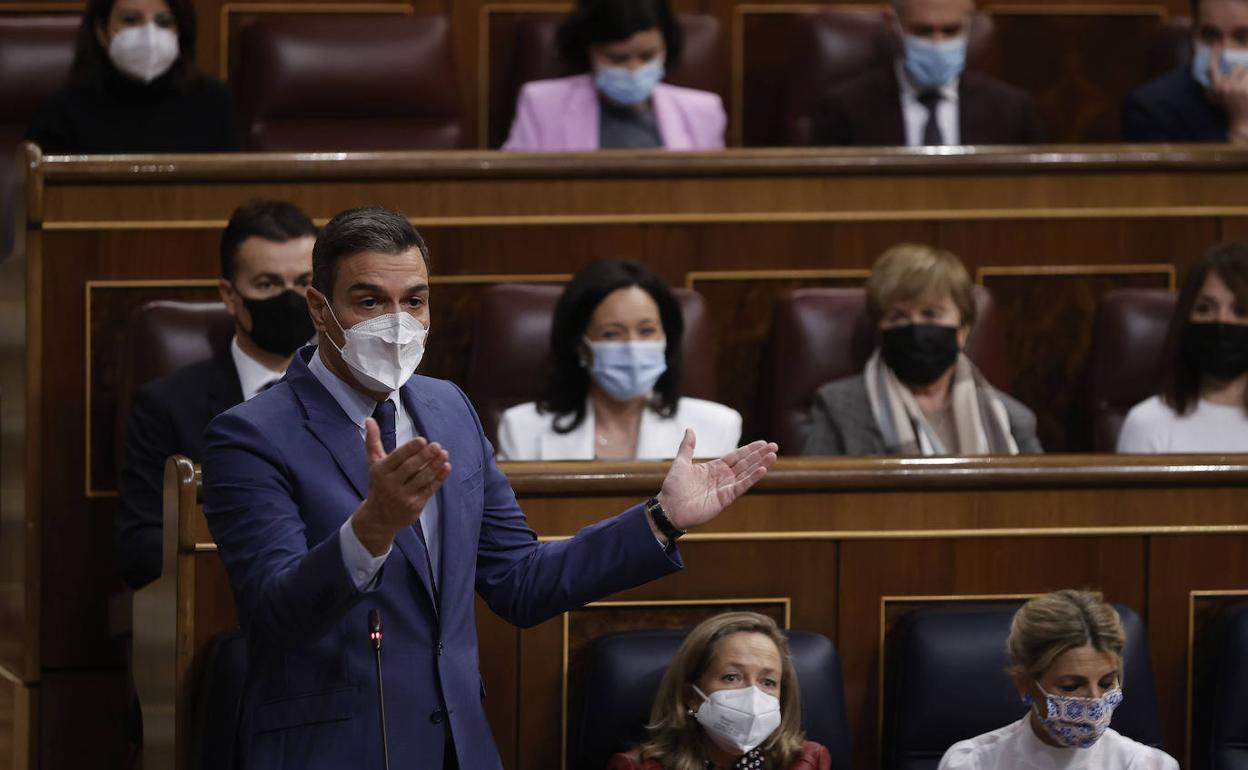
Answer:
(576, 445)
(657, 438)
(329, 424)
(892, 127)
(582, 116)
(224, 390)
(430, 422)
(671, 128)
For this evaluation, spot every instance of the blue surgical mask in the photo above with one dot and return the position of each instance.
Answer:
(933, 64)
(627, 370)
(1231, 58)
(629, 87)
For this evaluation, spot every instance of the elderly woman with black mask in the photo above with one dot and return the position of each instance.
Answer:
(134, 87)
(919, 393)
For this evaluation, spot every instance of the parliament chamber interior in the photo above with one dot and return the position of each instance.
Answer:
(894, 575)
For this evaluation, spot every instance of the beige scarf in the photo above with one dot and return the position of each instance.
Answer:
(979, 417)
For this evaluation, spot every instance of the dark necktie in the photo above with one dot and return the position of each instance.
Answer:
(384, 415)
(931, 131)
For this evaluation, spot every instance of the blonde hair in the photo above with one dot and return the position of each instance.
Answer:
(913, 271)
(1049, 625)
(675, 737)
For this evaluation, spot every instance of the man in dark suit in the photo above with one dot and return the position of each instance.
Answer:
(355, 485)
(1206, 101)
(266, 266)
(926, 97)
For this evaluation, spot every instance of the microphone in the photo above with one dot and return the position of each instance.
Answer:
(374, 633)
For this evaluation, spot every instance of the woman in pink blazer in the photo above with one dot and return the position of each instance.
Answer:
(621, 103)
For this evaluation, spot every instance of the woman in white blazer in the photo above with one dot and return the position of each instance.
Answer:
(613, 392)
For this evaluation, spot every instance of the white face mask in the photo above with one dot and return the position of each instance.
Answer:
(144, 53)
(738, 720)
(382, 352)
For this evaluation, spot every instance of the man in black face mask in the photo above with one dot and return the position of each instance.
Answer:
(266, 267)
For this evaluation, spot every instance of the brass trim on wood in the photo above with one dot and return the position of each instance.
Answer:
(8, 8)
(483, 56)
(784, 601)
(693, 276)
(946, 534)
(223, 32)
(1167, 270)
(1077, 9)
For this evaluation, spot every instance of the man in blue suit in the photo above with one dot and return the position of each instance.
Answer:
(353, 485)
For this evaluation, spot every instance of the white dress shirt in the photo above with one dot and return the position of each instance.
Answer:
(361, 564)
(915, 114)
(252, 375)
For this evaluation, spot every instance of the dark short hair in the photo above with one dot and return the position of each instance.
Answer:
(567, 386)
(1180, 385)
(91, 61)
(609, 21)
(276, 221)
(359, 230)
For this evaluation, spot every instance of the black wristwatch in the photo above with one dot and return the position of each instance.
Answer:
(659, 516)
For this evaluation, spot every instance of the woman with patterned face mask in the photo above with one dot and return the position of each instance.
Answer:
(728, 701)
(614, 388)
(919, 393)
(625, 48)
(1203, 404)
(134, 88)
(1066, 661)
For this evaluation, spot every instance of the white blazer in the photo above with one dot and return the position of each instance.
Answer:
(526, 434)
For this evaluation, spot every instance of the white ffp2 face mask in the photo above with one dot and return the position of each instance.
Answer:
(382, 352)
(738, 720)
(144, 53)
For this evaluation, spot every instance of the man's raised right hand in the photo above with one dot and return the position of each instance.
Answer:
(399, 486)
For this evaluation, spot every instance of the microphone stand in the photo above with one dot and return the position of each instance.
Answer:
(374, 633)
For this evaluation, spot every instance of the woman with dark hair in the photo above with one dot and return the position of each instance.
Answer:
(614, 387)
(134, 87)
(1203, 404)
(625, 48)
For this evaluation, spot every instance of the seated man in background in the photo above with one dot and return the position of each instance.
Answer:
(919, 393)
(266, 266)
(927, 97)
(1207, 101)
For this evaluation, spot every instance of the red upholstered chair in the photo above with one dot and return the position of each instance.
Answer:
(1126, 362)
(162, 337)
(821, 335)
(35, 55)
(533, 54)
(509, 360)
(349, 82)
(833, 46)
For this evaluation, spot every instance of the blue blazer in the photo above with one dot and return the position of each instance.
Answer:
(281, 473)
(1173, 108)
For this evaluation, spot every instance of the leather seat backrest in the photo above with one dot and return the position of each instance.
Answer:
(162, 337)
(36, 52)
(509, 360)
(216, 701)
(946, 680)
(821, 335)
(623, 672)
(1219, 700)
(1126, 363)
(535, 56)
(363, 82)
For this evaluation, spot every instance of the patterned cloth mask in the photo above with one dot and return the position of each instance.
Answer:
(1077, 722)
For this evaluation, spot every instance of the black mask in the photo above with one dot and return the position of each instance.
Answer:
(919, 353)
(281, 324)
(1218, 350)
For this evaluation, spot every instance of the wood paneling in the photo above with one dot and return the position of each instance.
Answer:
(15, 725)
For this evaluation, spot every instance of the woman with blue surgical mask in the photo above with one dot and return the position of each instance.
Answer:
(134, 87)
(625, 49)
(614, 387)
(1066, 662)
(728, 701)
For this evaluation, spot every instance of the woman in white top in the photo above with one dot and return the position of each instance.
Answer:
(1066, 655)
(613, 393)
(1203, 404)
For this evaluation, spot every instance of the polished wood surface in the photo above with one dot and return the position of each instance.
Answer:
(862, 541)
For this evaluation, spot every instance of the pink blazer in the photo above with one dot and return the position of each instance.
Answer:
(562, 114)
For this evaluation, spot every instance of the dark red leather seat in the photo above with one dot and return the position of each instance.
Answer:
(1126, 361)
(532, 53)
(509, 360)
(36, 52)
(338, 82)
(821, 335)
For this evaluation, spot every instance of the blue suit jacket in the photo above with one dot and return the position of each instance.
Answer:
(1173, 108)
(281, 473)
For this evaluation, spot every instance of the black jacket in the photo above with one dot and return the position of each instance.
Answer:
(168, 417)
(1172, 108)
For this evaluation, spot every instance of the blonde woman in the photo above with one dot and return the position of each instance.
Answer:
(729, 701)
(1066, 661)
(919, 394)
